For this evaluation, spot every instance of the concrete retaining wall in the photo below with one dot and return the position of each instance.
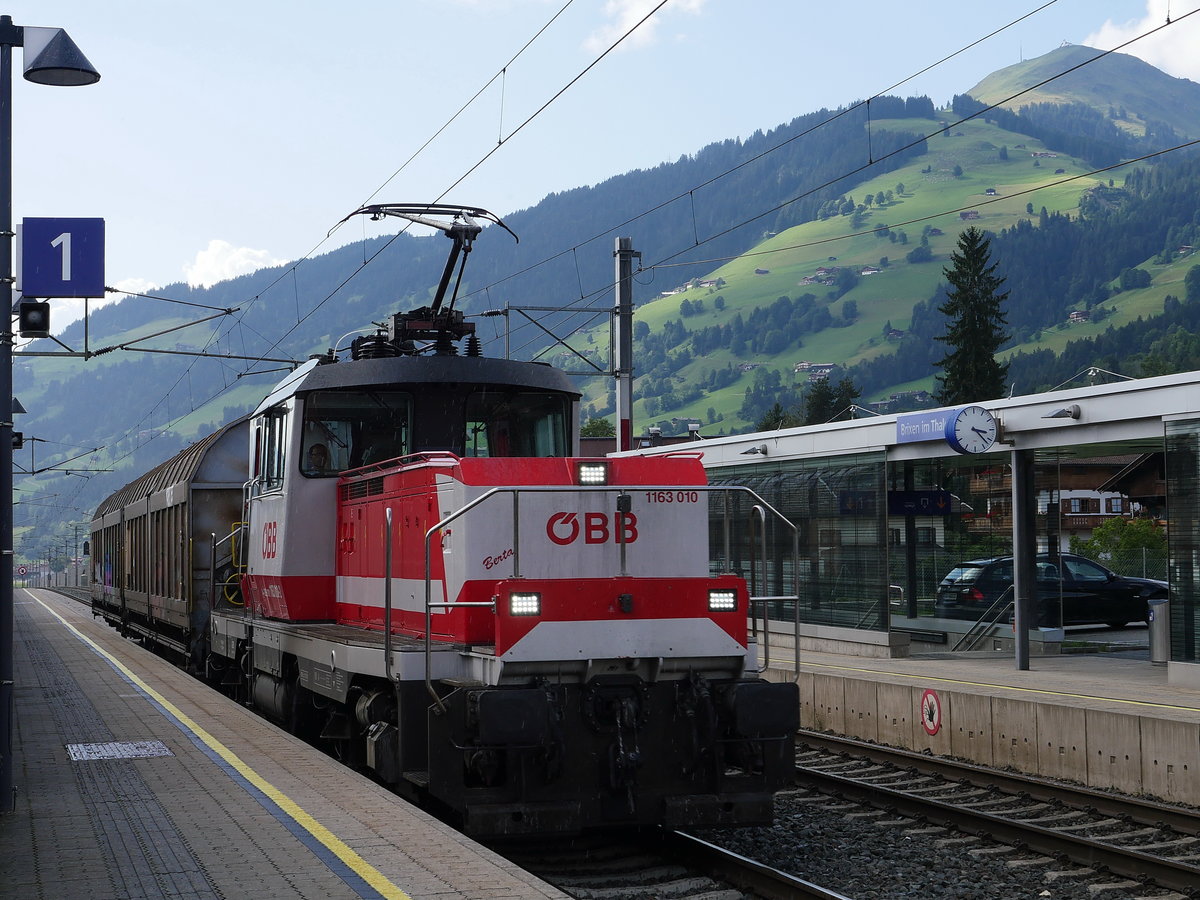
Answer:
(1131, 753)
(831, 639)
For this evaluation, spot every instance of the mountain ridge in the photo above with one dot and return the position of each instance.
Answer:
(1103, 80)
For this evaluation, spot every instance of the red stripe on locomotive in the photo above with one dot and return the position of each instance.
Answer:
(569, 546)
(299, 598)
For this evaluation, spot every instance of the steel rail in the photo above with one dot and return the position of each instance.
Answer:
(743, 873)
(1129, 862)
(1138, 809)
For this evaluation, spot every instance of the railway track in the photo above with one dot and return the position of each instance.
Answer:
(82, 594)
(1135, 838)
(658, 864)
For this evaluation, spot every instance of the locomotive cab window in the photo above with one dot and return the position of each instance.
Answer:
(269, 445)
(516, 423)
(347, 429)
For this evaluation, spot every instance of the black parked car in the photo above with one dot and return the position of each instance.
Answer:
(1091, 594)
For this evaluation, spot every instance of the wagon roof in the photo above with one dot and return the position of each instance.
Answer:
(179, 469)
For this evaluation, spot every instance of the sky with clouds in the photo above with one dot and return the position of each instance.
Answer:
(225, 136)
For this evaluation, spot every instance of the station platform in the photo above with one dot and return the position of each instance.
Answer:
(134, 780)
(1108, 721)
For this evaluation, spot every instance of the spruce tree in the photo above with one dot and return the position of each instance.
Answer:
(819, 403)
(974, 327)
(777, 417)
(845, 395)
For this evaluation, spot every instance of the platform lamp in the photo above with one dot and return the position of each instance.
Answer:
(51, 57)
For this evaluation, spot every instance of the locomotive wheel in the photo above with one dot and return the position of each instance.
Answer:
(304, 719)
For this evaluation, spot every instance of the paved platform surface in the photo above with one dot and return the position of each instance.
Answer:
(204, 799)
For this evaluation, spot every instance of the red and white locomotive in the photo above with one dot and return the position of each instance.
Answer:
(418, 571)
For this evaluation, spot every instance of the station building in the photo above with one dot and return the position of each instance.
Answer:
(884, 508)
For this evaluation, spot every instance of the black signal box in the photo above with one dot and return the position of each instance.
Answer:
(33, 319)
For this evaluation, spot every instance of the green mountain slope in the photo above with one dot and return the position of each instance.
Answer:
(1123, 87)
(977, 174)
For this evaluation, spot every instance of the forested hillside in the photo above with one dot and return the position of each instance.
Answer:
(1058, 263)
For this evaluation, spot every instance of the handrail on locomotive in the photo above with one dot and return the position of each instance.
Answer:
(760, 510)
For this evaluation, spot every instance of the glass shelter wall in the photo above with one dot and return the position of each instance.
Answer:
(925, 546)
(950, 525)
(838, 505)
(1183, 491)
(941, 514)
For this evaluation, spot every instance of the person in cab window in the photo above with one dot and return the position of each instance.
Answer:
(317, 462)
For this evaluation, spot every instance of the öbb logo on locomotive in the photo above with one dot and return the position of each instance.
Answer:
(563, 528)
(270, 540)
(535, 693)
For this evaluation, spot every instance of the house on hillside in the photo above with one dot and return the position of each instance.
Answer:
(911, 397)
(1079, 316)
(901, 402)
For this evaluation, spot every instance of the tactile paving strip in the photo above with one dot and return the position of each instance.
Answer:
(118, 750)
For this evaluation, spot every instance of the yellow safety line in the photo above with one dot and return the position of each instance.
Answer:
(334, 844)
(1005, 687)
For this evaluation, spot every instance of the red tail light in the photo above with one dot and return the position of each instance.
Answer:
(975, 595)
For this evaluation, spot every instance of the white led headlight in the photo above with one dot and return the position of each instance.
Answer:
(524, 604)
(592, 473)
(722, 601)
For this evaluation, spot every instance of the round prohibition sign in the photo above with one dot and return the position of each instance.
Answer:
(22, 571)
(931, 712)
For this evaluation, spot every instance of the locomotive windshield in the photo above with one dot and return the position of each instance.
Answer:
(348, 429)
(516, 423)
